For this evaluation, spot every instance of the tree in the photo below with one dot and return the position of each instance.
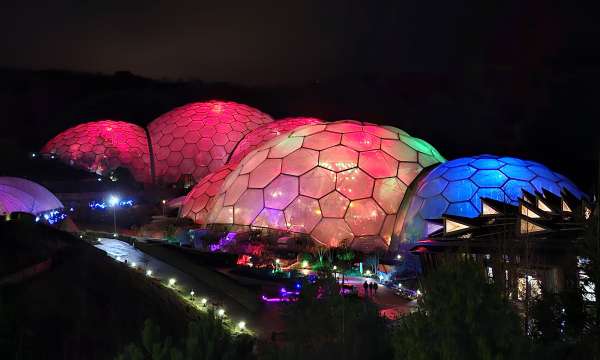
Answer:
(460, 316)
(206, 339)
(322, 324)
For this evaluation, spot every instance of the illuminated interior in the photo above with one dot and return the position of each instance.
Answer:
(339, 182)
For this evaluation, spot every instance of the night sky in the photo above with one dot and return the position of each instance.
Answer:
(266, 42)
(513, 78)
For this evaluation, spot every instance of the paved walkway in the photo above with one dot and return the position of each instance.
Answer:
(123, 252)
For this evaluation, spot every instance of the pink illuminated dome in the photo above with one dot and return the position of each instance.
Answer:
(199, 201)
(103, 146)
(266, 132)
(338, 182)
(197, 138)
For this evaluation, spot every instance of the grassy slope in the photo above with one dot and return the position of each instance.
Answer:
(89, 306)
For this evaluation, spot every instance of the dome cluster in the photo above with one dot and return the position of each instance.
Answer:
(361, 184)
(103, 146)
(457, 186)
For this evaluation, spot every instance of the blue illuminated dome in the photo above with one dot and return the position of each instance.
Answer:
(456, 188)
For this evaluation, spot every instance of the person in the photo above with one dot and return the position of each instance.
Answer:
(371, 289)
(375, 286)
(366, 287)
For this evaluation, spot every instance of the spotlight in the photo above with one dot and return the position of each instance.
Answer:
(172, 281)
(242, 325)
(148, 272)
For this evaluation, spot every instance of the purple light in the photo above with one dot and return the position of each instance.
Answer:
(227, 240)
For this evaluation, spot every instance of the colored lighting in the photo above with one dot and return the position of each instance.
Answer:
(333, 181)
(457, 186)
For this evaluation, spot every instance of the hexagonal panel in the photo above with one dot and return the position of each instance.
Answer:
(365, 217)
(487, 164)
(236, 190)
(433, 207)
(317, 182)
(399, 150)
(247, 208)
(378, 164)
(361, 141)
(265, 173)
(285, 147)
(334, 204)
(354, 184)
(270, 218)
(332, 232)
(300, 161)
(517, 172)
(322, 140)
(281, 192)
(338, 158)
(460, 190)
(389, 194)
(303, 214)
(513, 189)
(489, 178)
(433, 187)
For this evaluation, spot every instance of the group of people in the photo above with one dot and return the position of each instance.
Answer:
(370, 288)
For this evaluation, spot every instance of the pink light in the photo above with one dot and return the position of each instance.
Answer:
(103, 146)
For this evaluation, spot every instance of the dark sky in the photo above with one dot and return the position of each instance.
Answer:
(258, 42)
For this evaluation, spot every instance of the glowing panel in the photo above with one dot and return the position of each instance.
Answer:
(452, 226)
(529, 227)
(339, 158)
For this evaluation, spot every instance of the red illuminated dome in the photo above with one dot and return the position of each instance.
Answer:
(266, 132)
(103, 146)
(198, 138)
(200, 200)
(342, 181)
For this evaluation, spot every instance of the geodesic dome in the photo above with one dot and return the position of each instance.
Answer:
(457, 186)
(17, 194)
(341, 181)
(198, 138)
(199, 201)
(103, 146)
(266, 132)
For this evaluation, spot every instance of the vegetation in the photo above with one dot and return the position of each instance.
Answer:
(322, 325)
(206, 339)
(460, 316)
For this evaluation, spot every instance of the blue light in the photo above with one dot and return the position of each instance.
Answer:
(517, 172)
(457, 186)
(464, 208)
(459, 173)
(489, 178)
(460, 190)
(433, 207)
(433, 187)
(103, 205)
(487, 164)
(514, 189)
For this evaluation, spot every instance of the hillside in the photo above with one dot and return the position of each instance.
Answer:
(85, 307)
